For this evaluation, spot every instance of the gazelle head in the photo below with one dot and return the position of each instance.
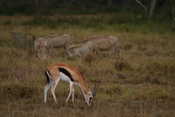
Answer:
(89, 96)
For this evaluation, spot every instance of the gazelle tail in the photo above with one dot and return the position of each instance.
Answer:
(47, 75)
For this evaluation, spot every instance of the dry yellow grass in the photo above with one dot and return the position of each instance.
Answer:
(138, 84)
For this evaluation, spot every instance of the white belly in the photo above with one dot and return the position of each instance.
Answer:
(64, 77)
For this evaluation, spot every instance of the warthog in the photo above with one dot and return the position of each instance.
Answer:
(23, 40)
(99, 44)
(42, 44)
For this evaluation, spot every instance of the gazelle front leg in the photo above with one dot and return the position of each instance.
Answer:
(71, 90)
(53, 87)
(73, 94)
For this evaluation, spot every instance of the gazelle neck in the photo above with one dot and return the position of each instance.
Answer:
(83, 88)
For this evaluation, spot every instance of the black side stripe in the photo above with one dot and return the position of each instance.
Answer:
(67, 73)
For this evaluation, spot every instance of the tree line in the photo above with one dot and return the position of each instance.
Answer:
(149, 8)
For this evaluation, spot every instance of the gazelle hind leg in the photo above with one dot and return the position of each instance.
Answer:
(53, 87)
(70, 91)
(46, 88)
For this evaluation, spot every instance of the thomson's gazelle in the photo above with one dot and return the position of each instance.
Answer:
(57, 72)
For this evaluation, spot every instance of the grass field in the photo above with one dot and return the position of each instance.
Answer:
(139, 83)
